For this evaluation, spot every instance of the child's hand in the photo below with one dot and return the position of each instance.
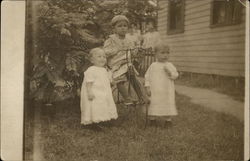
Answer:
(91, 96)
(148, 91)
(167, 71)
(112, 83)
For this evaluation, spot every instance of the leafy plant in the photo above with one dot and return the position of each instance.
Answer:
(60, 35)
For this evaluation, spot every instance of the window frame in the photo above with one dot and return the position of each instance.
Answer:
(226, 23)
(179, 30)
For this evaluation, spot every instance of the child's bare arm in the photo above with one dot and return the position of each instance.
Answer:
(90, 93)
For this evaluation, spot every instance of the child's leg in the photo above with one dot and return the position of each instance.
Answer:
(140, 92)
(168, 121)
(97, 127)
(122, 89)
(93, 126)
(152, 121)
(168, 118)
(124, 92)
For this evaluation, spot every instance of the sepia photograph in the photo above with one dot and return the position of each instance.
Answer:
(135, 80)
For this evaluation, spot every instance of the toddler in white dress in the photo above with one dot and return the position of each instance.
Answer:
(97, 103)
(159, 83)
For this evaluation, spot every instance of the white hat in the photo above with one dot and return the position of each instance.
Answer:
(119, 18)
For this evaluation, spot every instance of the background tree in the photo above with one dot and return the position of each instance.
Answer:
(61, 33)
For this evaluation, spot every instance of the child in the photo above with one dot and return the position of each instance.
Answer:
(134, 35)
(151, 38)
(159, 83)
(97, 102)
(115, 48)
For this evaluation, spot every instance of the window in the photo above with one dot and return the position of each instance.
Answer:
(225, 12)
(175, 16)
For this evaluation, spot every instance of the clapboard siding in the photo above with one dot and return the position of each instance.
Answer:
(191, 1)
(200, 48)
(209, 47)
(208, 53)
(190, 6)
(212, 71)
(208, 41)
(208, 65)
(210, 59)
(205, 13)
(202, 8)
(233, 30)
(197, 20)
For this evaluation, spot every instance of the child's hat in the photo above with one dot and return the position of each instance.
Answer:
(119, 18)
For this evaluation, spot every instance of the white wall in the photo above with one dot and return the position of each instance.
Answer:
(12, 79)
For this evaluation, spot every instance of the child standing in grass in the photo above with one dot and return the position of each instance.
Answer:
(159, 83)
(115, 48)
(97, 102)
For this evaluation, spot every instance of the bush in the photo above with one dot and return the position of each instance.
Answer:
(59, 37)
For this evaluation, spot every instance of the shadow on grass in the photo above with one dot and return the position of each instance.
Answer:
(197, 134)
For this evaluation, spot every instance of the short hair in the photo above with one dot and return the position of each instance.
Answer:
(118, 18)
(93, 51)
(162, 46)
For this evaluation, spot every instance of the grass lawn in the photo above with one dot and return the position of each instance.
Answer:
(198, 134)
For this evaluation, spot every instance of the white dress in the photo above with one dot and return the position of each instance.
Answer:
(162, 100)
(102, 107)
(134, 38)
(151, 39)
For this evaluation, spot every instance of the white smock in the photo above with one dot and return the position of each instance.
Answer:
(162, 100)
(102, 107)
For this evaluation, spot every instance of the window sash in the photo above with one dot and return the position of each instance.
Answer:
(179, 18)
(232, 13)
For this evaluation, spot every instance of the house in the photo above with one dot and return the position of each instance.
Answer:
(205, 36)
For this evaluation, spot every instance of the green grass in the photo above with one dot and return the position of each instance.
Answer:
(198, 134)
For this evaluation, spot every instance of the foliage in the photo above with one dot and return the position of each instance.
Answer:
(142, 10)
(60, 35)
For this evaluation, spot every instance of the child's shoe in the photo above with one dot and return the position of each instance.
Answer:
(146, 101)
(109, 123)
(168, 124)
(129, 101)
(97, 127)
(153, 123)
